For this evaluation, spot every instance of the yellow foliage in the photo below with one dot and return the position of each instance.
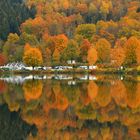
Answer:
(32, 56)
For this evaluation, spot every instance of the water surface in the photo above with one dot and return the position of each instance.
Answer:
(69, 107)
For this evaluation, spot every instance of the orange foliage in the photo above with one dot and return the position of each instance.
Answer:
(117, 56)
(56, 100)
(66, 4)
(27, 47)
(61, 42)
(34, 26)
(45, 36)
(61, 102)
(92, 56)
(82, 8)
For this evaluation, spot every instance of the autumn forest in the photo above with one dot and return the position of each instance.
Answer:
(45, 33)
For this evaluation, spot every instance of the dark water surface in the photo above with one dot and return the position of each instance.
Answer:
(67, 107)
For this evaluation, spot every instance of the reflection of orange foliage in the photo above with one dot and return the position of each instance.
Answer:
(133, 97)
(92, 90)
(67, 136)
(105, 116)
(56, 100)
(2, 87)
(83, 134)
(87, 100)
(61, 101)
(103, 97)
(118, 92)
(106, 133)
(131, 119)
(32, 90)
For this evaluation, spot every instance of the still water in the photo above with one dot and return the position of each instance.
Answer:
(69, 107)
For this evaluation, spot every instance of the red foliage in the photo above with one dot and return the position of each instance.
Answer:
(3, 59)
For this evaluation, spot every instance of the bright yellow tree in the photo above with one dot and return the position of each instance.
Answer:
(32, 57)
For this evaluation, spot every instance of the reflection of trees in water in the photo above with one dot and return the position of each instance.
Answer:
(105, 109)
(32, 89)
(13, 96)
(133, 93)
(103, 97)
(71, 92)
(118, 93)
(12, 127)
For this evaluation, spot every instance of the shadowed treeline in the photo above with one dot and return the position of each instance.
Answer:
(12, 126)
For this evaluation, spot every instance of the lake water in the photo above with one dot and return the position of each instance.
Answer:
(69, 107)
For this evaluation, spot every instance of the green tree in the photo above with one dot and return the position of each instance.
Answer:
(11, 49)
(71, 52)
(86, 30)
(56, 57)
(28, 38)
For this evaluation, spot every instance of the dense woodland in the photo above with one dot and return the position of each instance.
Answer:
(102, 32)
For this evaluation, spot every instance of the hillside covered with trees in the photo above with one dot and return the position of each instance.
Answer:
(12, 14)
(105, 32)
